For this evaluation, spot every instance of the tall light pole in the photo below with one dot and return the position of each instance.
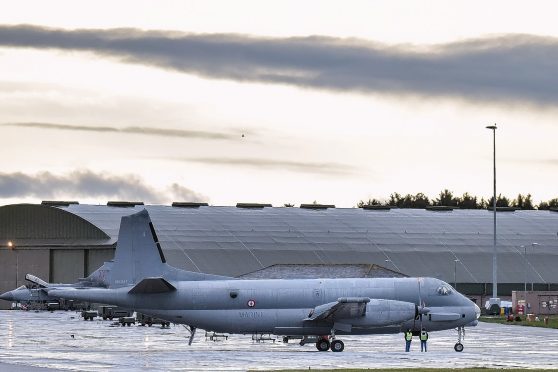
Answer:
(533, 245)
(494, 252)
(455, 273)
(525, 270)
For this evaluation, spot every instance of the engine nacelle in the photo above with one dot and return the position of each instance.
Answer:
(381, 313)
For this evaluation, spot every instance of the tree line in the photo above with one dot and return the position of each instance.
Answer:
(465, 201)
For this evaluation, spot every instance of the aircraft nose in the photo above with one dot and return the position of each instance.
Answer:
(477, 311)
(8, 296)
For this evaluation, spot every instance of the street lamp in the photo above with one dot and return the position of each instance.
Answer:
(525, 270)
(455, 273)
(533, 245)
(494, 298)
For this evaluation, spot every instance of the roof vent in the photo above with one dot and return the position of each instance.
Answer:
(58, 203)
(376, 207)
(189, 204)
(252, 205)
(503, 209)
(439, 208)
(123, 204)
(317, 206)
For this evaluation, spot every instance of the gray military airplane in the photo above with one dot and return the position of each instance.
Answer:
(142, 280)
(38, 290)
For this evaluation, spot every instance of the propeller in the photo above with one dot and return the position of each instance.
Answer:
(421, 309)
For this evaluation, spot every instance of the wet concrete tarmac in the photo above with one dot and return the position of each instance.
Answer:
(29, 339)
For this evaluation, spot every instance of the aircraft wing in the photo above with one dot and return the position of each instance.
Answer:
(343, 308)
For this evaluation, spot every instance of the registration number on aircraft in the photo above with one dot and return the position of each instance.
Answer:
(250, 314)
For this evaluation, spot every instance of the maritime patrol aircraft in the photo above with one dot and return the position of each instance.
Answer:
(141, 279)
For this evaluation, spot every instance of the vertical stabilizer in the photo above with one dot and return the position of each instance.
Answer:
(138, 252)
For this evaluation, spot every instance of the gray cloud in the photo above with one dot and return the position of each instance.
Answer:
(501, 68)
(266, 164)
(133, 130)
(87, 184)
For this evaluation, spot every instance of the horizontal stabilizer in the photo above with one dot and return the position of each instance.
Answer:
(153, 285)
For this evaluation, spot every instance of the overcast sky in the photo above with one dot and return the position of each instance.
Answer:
(276, 102)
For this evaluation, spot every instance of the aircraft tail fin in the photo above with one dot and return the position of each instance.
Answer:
(139, 256)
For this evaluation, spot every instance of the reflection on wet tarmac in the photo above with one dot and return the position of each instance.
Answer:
(44, 340)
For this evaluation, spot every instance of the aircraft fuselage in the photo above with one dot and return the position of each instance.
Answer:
(281, 306)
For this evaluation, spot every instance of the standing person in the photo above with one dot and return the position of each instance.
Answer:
(408, 339)
(423, 339)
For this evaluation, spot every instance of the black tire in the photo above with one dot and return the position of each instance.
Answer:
(458, 347)
(104, 318)
(322, 345)
(337, 346)
(285, 340)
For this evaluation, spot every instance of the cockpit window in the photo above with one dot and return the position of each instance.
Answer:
(443, 290)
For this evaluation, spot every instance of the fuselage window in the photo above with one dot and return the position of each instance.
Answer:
(443, 290)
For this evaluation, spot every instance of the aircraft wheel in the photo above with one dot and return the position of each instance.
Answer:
(458, 347)
(337, 346)
(322, 345)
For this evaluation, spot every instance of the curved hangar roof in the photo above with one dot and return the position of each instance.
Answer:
(31, 224)
(235, 241)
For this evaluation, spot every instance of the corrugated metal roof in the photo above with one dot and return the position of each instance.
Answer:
(235, 241)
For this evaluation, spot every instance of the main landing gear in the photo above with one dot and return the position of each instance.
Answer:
(460, 336)
(323, 344)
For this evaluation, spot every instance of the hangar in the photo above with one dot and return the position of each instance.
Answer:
(63, 241)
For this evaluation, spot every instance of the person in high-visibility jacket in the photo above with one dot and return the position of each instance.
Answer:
(408, 339)
(423, 339)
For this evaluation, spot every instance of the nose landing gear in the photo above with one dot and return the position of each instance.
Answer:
(460, 336)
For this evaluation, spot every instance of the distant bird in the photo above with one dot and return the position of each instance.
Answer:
(72, 336)
(242, 135)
